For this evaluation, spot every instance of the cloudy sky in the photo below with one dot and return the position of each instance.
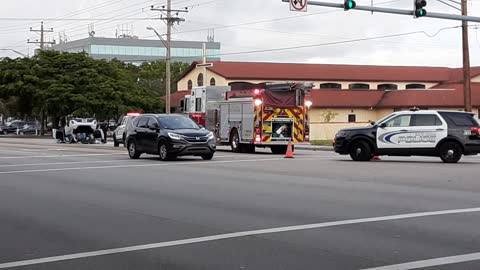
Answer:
(246, 26)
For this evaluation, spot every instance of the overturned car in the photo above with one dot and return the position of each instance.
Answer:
(80, 130)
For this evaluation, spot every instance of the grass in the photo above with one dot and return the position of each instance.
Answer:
(321, 142)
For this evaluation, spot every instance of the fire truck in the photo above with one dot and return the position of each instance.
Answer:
(271, 116)
(202, 104)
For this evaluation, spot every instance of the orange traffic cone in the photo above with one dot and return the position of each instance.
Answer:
(289, 153)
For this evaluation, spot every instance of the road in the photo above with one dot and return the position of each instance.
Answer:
(238, 211)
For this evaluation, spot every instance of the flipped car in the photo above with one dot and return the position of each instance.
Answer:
(83, 130)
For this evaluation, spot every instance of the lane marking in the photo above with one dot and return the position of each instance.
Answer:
(429, 263)
(59, 156)
(193, 162)
(63, 163)
(73, 162)
(232, 235)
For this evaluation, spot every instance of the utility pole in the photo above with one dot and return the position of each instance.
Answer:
(466, 61)
(170, 20)
(42, 41)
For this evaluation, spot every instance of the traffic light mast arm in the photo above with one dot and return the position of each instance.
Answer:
(397, 11)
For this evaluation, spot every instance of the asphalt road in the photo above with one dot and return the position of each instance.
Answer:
(80, 201)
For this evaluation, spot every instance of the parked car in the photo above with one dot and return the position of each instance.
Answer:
(445, 134)
(169, 136)
(119, 134)
(13, 126)
(3, 129)
(29, 128)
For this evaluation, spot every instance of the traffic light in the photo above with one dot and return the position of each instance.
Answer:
(349, 4)
(419, 8)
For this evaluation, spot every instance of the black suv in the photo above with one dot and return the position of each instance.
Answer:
(445, 134)
(169, 136)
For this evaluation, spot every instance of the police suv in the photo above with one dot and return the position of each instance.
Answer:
(444, 134)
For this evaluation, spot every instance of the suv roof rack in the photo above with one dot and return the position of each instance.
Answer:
(414, 109)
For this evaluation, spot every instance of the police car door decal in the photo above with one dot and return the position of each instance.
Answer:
(427, 131)
(395, 132)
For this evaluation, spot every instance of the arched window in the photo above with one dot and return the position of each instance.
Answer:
(190, 85)
(330, 86)
(415, 86)
(358, 86)
(212, 82)
(200, 79)
(387, 86)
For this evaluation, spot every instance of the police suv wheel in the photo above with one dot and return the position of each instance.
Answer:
(450, 152)
(360, 151)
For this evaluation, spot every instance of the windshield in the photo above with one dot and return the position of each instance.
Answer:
(177, 122)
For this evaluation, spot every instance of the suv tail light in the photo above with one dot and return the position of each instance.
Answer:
(475, 131)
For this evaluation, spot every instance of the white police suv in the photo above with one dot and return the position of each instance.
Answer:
(445, 134)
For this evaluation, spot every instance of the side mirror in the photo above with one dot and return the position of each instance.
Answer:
(372, 123)
(383, 125)
(201, 127)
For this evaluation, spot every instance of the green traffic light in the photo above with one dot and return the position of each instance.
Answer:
(349, 4)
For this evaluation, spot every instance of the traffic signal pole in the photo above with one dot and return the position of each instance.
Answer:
(397, 11)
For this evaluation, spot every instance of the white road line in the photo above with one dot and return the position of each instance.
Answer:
(59, 156)
(232, 235)
(431, 262)
(62, 163)
(73, 162)
(142, 165)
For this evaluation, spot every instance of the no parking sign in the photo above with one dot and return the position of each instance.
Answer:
(298, 5)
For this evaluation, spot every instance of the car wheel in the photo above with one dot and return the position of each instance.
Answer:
(132, 150)
(5, 132)
(207, 156)
(22, 133)
(279, 149)
(235, 142)
(450, 152)
(115, 142)
(360, 151)
(163, 152)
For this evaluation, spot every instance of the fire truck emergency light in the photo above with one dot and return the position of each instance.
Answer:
(133, 114)
(258, 102)
(308, 103)
(256, 92)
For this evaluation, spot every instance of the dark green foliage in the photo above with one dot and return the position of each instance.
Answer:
(60, 84)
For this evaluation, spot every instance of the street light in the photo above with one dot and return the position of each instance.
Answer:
(167, 46)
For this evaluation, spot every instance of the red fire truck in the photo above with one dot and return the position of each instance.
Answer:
(268, 117)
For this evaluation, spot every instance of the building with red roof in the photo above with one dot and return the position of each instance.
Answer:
(345, 95)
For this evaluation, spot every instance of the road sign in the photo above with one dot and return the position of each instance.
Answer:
(205, 65)
(298, 5)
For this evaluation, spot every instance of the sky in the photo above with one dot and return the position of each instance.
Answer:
(245, 27)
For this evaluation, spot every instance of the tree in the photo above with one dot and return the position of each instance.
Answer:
(57, 84)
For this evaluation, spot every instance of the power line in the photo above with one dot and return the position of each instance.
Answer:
(273, 20)
(335, 42)
(125, 15)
